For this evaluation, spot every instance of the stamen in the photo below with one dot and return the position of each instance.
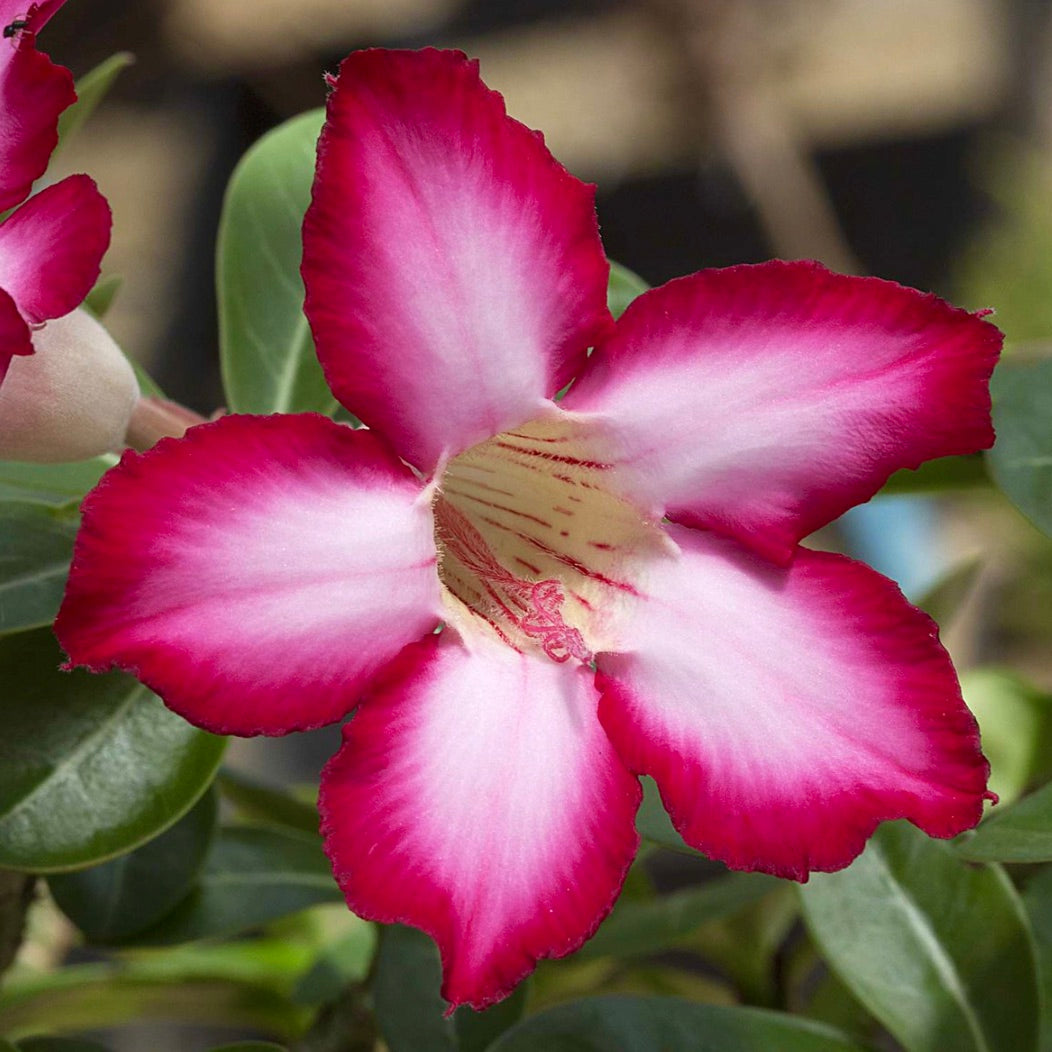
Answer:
(533, 607)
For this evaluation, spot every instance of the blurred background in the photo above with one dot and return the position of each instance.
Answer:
(911, 139)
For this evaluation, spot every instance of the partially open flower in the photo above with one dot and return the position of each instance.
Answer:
(51, 246)
(72, 399)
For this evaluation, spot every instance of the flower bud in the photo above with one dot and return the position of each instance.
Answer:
(70, 400)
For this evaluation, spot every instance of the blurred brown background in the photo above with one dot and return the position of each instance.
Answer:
(718, 131)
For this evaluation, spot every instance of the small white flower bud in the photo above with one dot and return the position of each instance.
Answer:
(70, 400)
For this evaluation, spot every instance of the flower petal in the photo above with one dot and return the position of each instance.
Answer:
(784, 712)
(453, 268)
(764, 401)
(33, 92)
(14, 333)
(477, 797)
(255, 573)
(51, 248)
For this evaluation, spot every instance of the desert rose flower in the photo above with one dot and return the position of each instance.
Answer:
(617, 576)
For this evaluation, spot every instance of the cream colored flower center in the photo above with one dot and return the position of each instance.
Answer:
(533, 546)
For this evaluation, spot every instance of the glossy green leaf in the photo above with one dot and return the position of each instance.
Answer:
(1020, 833)
(406, 983)
(55, 484)
(942, 475)
(937, 949)
(36, 545)
(654, 824)
(251, 875)
(266, 349)
(259, 802)
(133, 891)
(92, 88)
(90, 766)
(1021, 459)
(650, 926)
(1016, 723)
(645, 1024)
(623, 287)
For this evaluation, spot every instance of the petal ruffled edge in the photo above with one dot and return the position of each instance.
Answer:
(255, 573)
(453, 269)
(786, 712)
(762, 401)
(476, 797)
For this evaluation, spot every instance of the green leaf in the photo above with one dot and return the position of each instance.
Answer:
(410, 1010)
(938, 950)
(645, 1024)
(267, 353)
(101, 297)
(623, 287)
(651, 926)
(85, 997)
(409, 1007)
(1021, 459)
(1016, 723)
(92, 88)
(55, 484)
(1020, 833)
(261, 803)
(476, 1031)
(342, 962)
(250, 1046)
(251, 876)
(942, 475)
(654, 824)
(90, 766)
(59, 1044)
(36, 545)
(1037, 898)
(129, 893)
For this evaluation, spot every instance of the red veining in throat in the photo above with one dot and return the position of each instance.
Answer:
(533, 607)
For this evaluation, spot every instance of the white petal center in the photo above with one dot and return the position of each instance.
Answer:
(532, 545)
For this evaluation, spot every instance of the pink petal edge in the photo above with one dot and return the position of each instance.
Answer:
(786, 712)
(255, 573)
(51, 247)
(454, 272)
(476, 797)
(762, 401)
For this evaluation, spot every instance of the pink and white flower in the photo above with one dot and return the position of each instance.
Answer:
(50, 247)
(617, 576)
